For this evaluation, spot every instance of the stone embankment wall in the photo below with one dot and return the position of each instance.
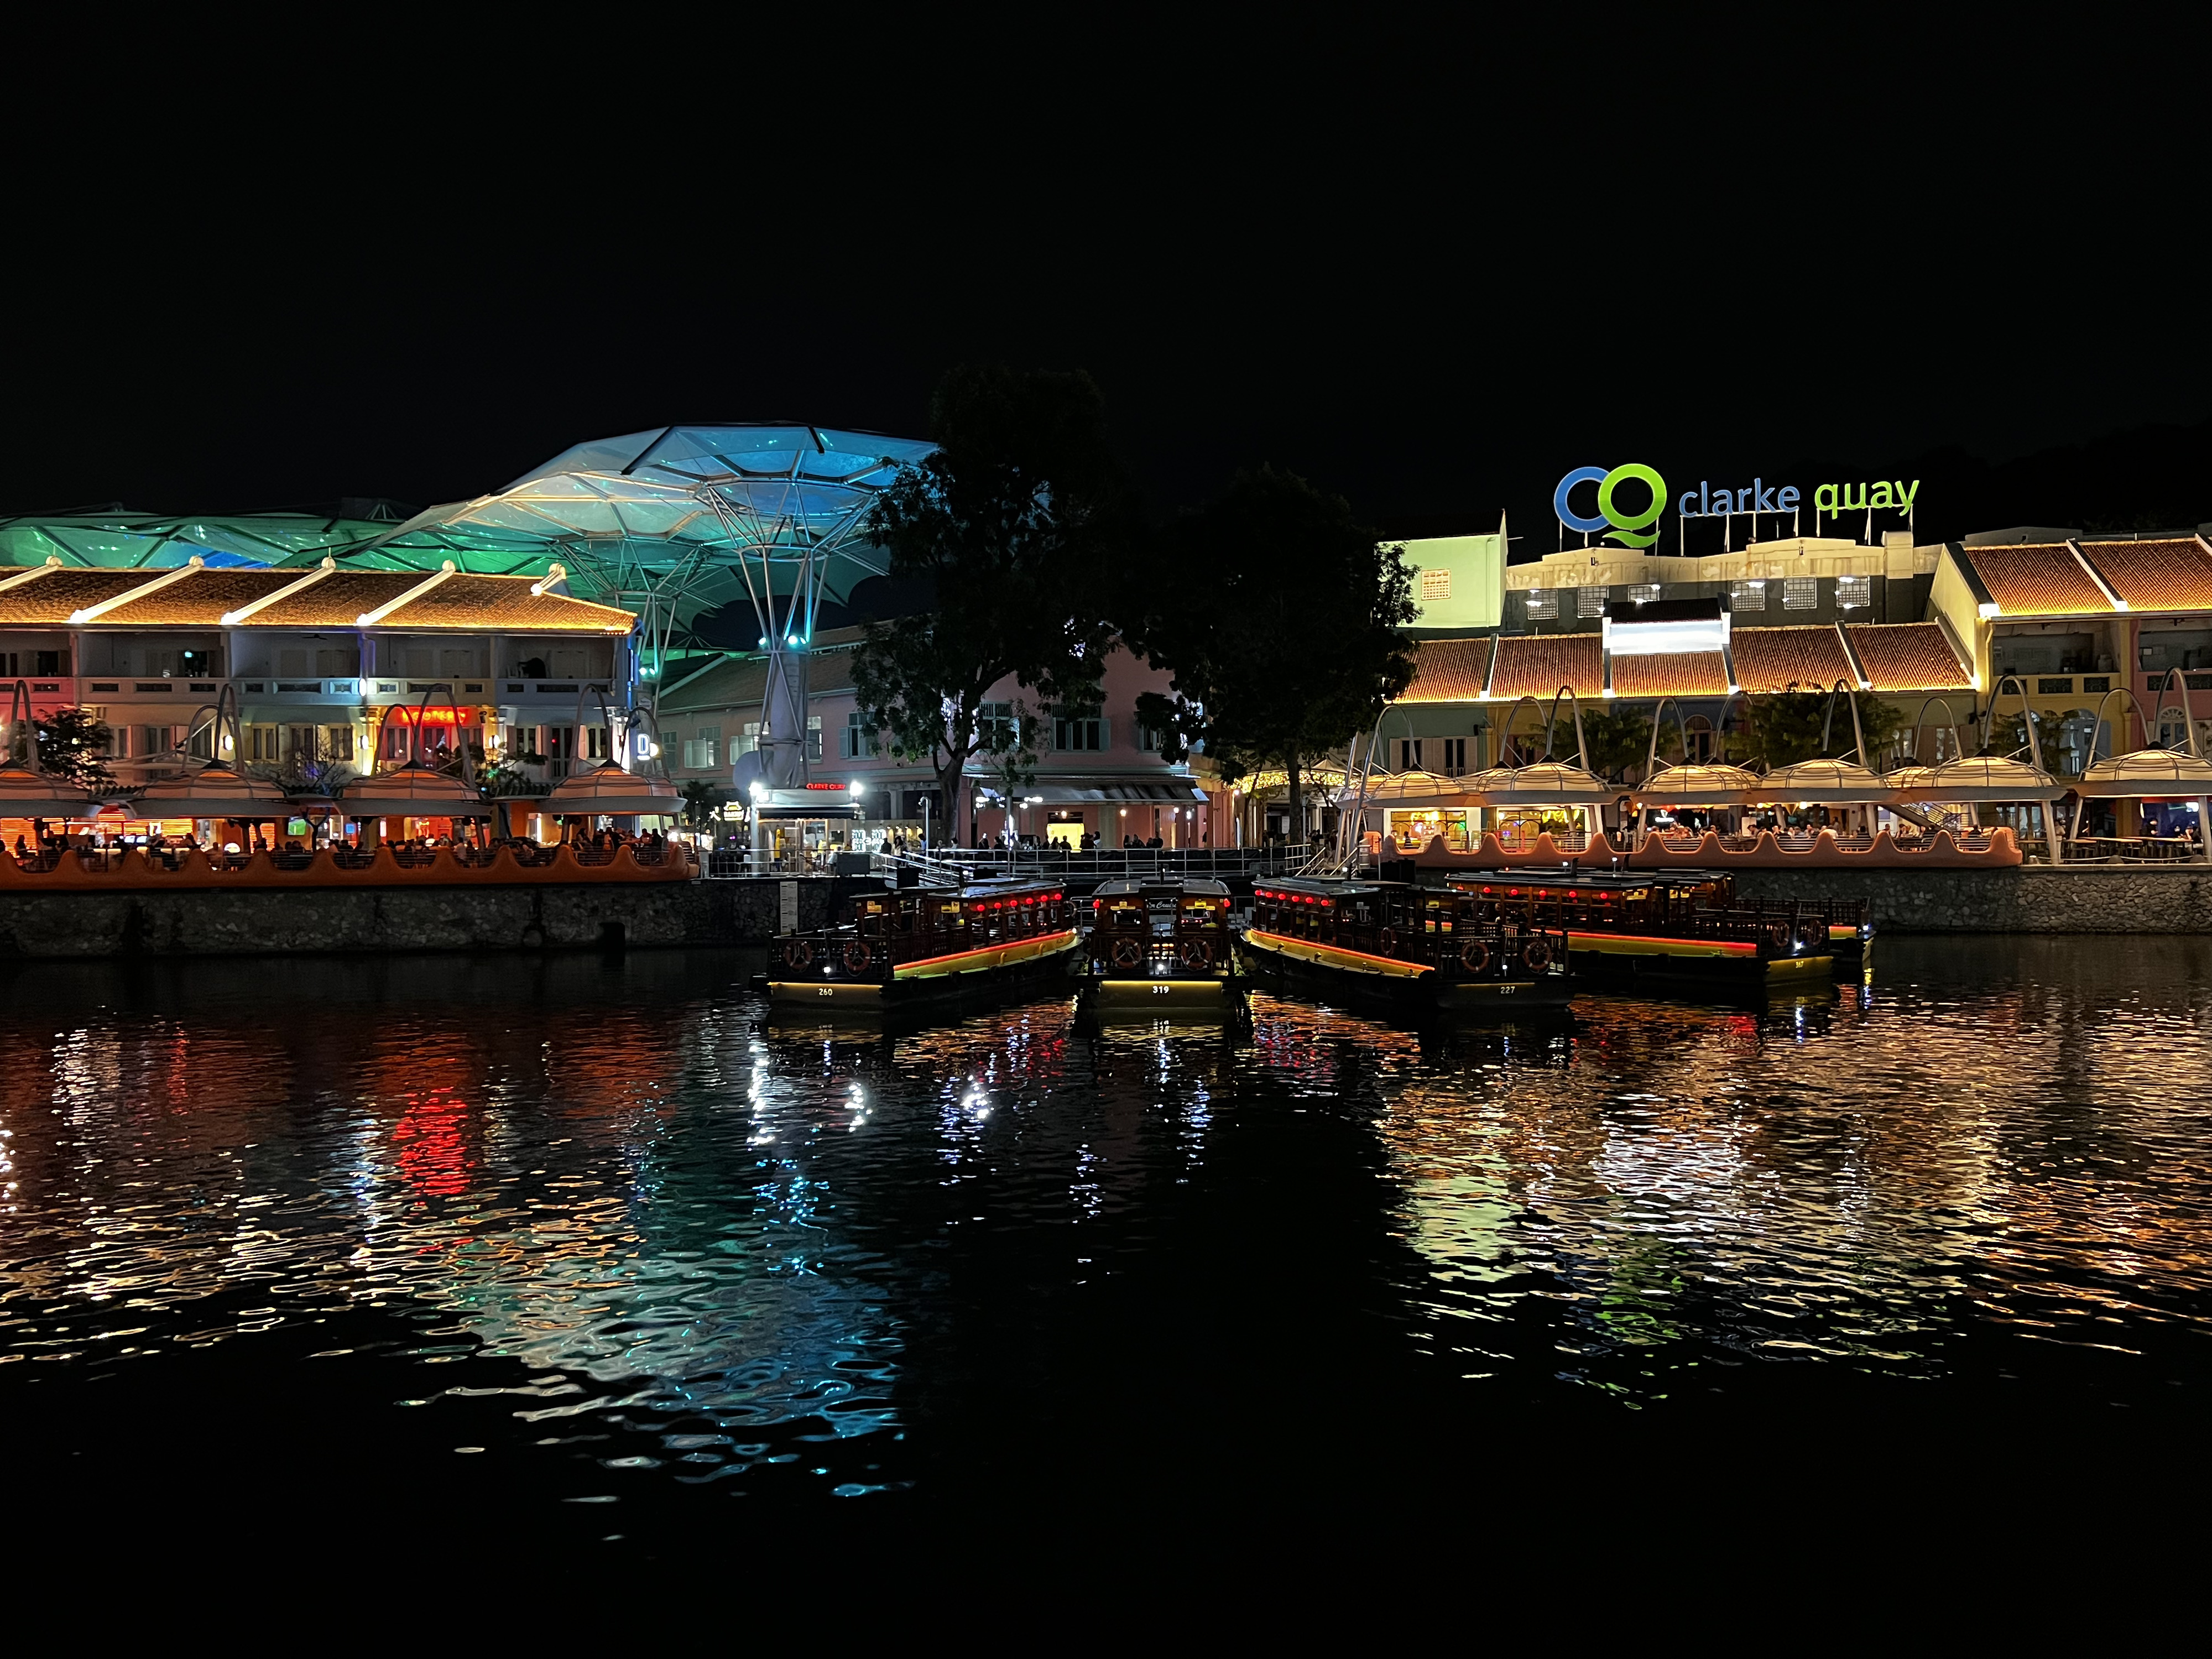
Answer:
(2085, 899)
(421, 919)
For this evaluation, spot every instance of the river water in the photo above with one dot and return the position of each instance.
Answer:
(591, 1246)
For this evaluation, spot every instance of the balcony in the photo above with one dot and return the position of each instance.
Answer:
(603, 684)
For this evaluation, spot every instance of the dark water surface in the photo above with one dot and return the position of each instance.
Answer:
(585, 1246)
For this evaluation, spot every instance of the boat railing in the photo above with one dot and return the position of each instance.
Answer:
(1106, 863)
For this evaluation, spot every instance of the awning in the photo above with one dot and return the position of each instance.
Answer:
(1097, 792)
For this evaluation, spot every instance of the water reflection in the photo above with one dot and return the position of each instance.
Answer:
(648, 1237)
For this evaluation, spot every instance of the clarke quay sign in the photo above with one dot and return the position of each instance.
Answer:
(1635, 528)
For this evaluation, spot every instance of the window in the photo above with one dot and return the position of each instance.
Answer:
(1854, 592)
(1747, 596)
(453, 664)
(1436, 586)
(1800, 594)
(1698, 734)
(699, 752)
(1083, 732)
(996, 727)
(857, 739)
(1147, 740)
(1591, 601)
(342, 662)
(1409, 754)
(1644, 592)
(749, 744)
(1455, 756)
(1543, 604)
(338, 743)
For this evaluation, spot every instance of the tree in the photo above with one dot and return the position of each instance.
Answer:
(1277, 615)
(1014, 521)
(71, 743)
(1618, 740)
(703, 802)
(1792, 726)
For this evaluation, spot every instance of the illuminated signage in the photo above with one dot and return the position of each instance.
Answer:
(1617, 523)
(1629, 529)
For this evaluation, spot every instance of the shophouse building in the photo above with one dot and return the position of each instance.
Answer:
(324, 666)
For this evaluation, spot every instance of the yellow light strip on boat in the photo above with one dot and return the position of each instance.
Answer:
(999, 955)
(1333, 955)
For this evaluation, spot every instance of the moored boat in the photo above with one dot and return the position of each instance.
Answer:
(917, 946)
(1414, 948)
(1683, 927)
(1160, 945)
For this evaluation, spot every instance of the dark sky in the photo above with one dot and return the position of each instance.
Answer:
(1432, 270)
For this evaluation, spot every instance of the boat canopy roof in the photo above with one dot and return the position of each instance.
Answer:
(1199, 888)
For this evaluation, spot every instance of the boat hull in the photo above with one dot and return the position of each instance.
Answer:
(1612, 958)
(968, 977)
(1300, 965)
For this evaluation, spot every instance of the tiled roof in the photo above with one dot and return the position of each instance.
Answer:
(200, 598)
(1449, 670)
(462, 601)
(1906, 657)
(1538, 665)
(1774, 659)
(49, 597)
(2037, 580)
(1671, 674)
(2167, 575)
(336, 600)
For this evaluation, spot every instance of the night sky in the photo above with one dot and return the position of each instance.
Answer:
(1431, 271)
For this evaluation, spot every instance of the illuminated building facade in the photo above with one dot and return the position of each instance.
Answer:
(325, 665)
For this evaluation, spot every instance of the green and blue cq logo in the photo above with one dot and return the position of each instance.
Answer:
(1619, 524)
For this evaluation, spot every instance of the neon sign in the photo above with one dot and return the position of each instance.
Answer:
(1630, 530)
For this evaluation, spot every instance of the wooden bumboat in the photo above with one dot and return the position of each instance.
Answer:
(1414, 948)
(1680, 926)
(1162, 946)
(917, 946)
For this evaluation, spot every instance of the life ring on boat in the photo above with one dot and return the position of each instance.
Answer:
(1196, 953)
(797, 953)
(1128, 952)
(1537, 954)
(857, 957)
(1474, 957)
(1386, 941)
(1812, 932)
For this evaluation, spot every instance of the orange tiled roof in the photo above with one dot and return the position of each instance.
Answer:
(198, 599)
(2167, 575)
(2038, 579)
(1538, 665)
(1906, 657)
(49, 597)
(1671, 674)
(1774, 659)
(504, 602)
(1448, 671)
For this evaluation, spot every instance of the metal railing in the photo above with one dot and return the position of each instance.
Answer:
(948, 866)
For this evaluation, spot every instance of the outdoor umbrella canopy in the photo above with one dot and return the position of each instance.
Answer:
(412, 792)
(214, 791)
(1985, 779)
(606, 789)
(1412, 789)
(1695, 786)
(28, 794)
(1540, 783)
(1825, 783)
(2153, 772)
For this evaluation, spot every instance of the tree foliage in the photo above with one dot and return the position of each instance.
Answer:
(1276, 614)
(72, 743)
(1619, 741)
(1785, 727)
(1014, 520)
